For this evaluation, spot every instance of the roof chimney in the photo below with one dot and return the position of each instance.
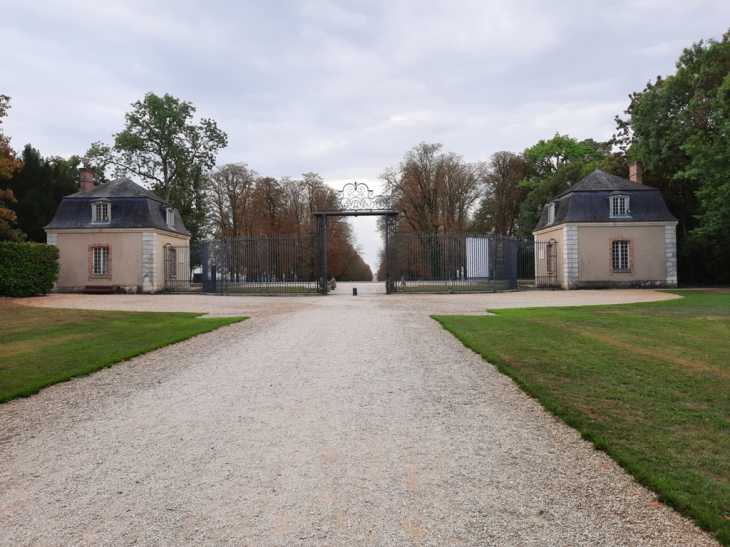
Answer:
(636, 172)
(86, 178)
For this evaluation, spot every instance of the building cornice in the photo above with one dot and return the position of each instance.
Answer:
(636, 223)
(97, 230)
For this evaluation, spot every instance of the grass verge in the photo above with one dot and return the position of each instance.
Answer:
(647, 383)
(43, 346)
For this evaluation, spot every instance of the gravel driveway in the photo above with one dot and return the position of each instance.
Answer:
(320, 421)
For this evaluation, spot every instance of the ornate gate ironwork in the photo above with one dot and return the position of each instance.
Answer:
(356, 199)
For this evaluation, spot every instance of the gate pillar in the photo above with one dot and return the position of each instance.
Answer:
(390, 251)
(322, 281)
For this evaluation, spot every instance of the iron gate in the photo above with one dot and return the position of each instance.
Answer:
(413, 262)
(454, 263)
(537, 264)
(258, 265)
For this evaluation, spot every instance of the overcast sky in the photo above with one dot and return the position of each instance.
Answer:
(344, 88)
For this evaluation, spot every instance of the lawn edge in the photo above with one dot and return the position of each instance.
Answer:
(33, 390)
(597, 442)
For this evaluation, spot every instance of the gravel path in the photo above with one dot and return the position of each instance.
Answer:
(319, 421)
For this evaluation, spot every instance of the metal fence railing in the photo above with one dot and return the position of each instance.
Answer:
(260, 265)
(537, 264)
(453, 263)
(441, 263)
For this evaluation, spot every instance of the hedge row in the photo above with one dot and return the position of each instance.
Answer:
(27, 269)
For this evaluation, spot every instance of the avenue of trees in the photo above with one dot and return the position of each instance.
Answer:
(678, 126)
(242, 203)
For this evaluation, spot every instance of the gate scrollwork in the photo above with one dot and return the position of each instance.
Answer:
(356, 196)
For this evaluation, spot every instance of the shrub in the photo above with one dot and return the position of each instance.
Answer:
(27, 269)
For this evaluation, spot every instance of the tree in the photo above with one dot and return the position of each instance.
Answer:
(434, 191)
(161, 145)
(9, 163)
(547, 157)
(499, 209)
(39, 187)
(243, 204)
(8, 218)
(555, 165)
(230, 196)
(189, 196)
(678, 126)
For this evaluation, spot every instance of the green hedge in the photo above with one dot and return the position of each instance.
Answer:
(27, 269)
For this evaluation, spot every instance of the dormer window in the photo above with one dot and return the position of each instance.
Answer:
(551, 212)
(170, 218)
(101, 212)
(618, 206)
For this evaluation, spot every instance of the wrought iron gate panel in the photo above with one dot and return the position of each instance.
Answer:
(537, 264)
(260, 265)
(546, 264)
(454, 263)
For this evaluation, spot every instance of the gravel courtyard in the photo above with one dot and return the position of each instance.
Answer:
(319, 421)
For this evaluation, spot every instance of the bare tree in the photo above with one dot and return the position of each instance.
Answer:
(499, 209)
(434, 191)
(230, 199)
(460, 191)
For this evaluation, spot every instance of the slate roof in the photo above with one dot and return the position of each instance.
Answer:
(131, 207)
(598, 180)
(119, 188)
(587, 201)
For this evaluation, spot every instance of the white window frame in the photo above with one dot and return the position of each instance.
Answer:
(170, 220)
(100, 262)
(98, 208)
(618, 206)
(621, 256)
(551, 212)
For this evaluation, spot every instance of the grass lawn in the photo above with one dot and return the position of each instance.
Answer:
(647, 383)
(43, 346)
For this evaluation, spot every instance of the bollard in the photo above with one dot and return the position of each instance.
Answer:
(354, 291)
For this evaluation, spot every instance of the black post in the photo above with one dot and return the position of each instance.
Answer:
(205, 251)
(325, 285)
(387, 254)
